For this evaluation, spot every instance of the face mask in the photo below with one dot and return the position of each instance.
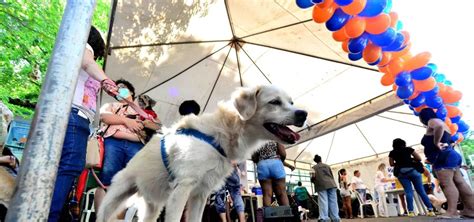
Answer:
(123, 93)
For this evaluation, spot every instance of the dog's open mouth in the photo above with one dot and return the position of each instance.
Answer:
(282, 132)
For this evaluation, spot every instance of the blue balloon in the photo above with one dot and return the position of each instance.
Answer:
(343, 2)
(317, 1)
(440, 77)
(422, 73)
(418, 101)
(385, 38)
(388, 8)
(442, 112)
(376, 62)
(404, 92)
(396, 45)
(462, 126)
(304, 3)
(338, 20)
(455, 119)
(355, 56)
(448, 83)
(455, 137)
(373, 8)
(434, 102)
(403, 79)
(432, 92)
(406, 101)
(358, 44)
(416, 113)
(399, 25)
(411, 108)
(433, 67)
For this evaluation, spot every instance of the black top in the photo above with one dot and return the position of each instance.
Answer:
(431, 151)
(402, 157)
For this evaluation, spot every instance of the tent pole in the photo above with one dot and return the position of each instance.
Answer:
(35, 183)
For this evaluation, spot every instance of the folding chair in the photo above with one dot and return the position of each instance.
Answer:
(362, 204)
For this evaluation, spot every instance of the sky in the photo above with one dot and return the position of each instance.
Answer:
(444, 28)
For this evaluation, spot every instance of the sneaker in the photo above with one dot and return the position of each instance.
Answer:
(411, 214)
(431, 213)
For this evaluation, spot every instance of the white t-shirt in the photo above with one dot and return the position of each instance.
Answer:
(379, 184)
(359, 184)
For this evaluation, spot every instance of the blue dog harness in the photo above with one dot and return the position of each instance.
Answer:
(188, 132)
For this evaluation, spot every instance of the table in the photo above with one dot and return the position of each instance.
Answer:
(250, 198)
(420, 208)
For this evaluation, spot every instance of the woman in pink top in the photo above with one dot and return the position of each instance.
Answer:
(121, 135)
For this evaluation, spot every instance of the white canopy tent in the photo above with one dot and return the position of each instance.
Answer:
(195, 49)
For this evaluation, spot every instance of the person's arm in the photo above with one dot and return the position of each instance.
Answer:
(416, 156)
(90, 66)
(427, 175)
(10, 160)
(288, 165)
(282, 152)
(438, 130)
(391, 161)
(113, 119)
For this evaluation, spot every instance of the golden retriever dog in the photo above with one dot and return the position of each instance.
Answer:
(7, 185)
(191, 167)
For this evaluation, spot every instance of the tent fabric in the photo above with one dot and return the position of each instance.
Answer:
(202, 50)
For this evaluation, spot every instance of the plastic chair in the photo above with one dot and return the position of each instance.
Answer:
(88, 210)
(362, 204)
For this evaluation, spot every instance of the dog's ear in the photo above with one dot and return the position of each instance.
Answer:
(245, 101)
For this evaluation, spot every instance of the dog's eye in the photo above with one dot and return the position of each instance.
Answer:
(291, 102)
(275, 102)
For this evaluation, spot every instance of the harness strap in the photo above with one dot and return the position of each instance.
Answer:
(188, 132)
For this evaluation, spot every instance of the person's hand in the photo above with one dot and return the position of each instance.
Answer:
(438, 189)
(133, 125)
(12, 161)
(109, 87)
(291, 168)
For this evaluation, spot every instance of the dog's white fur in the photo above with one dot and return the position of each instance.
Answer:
(198, 168)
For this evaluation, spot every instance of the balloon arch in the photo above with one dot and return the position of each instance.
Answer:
(370, 30)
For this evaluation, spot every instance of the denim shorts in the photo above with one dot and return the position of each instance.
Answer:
(117, 153)
(270, 169)
(447, 159)
(232, 184)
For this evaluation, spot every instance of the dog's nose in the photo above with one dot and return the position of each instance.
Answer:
(301, 115)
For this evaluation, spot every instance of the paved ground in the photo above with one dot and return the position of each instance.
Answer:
(405, 219)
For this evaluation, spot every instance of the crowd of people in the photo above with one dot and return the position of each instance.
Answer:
(126, 129)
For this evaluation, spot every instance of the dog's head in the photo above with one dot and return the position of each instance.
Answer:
(145, 102)
(269, 110)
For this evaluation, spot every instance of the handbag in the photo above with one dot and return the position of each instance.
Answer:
(95, 149)
(418, 166)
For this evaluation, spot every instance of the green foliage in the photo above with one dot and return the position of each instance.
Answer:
(27, 34)
(468, 148)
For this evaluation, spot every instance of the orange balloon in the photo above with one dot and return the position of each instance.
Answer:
(454, 128)
(394, 87)
(321, 15)
(325, 3)
(442, 89)
(418, 109)
(424, 85)
(340, 35)
(407, 37)
(345, 46)
(355, 27)
(387, 80)
(383, 69)
(418, 61)
(377, 24)
(386, 57)
(355, 7)
(461, 138)
(395, 66)
(451, 96)
(414, 95)
(371, 53)
(393, 19)
(453, 111)
(402, 52)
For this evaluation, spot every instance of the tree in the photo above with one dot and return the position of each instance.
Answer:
(468, 148)
(27, 34)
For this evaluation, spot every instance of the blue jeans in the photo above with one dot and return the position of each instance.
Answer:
(234, 190)
(117, 153)
(362, 193)
(327, 201)
(72, 162)
(407, 177)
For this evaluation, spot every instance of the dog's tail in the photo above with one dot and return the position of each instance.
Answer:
(121, 189)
